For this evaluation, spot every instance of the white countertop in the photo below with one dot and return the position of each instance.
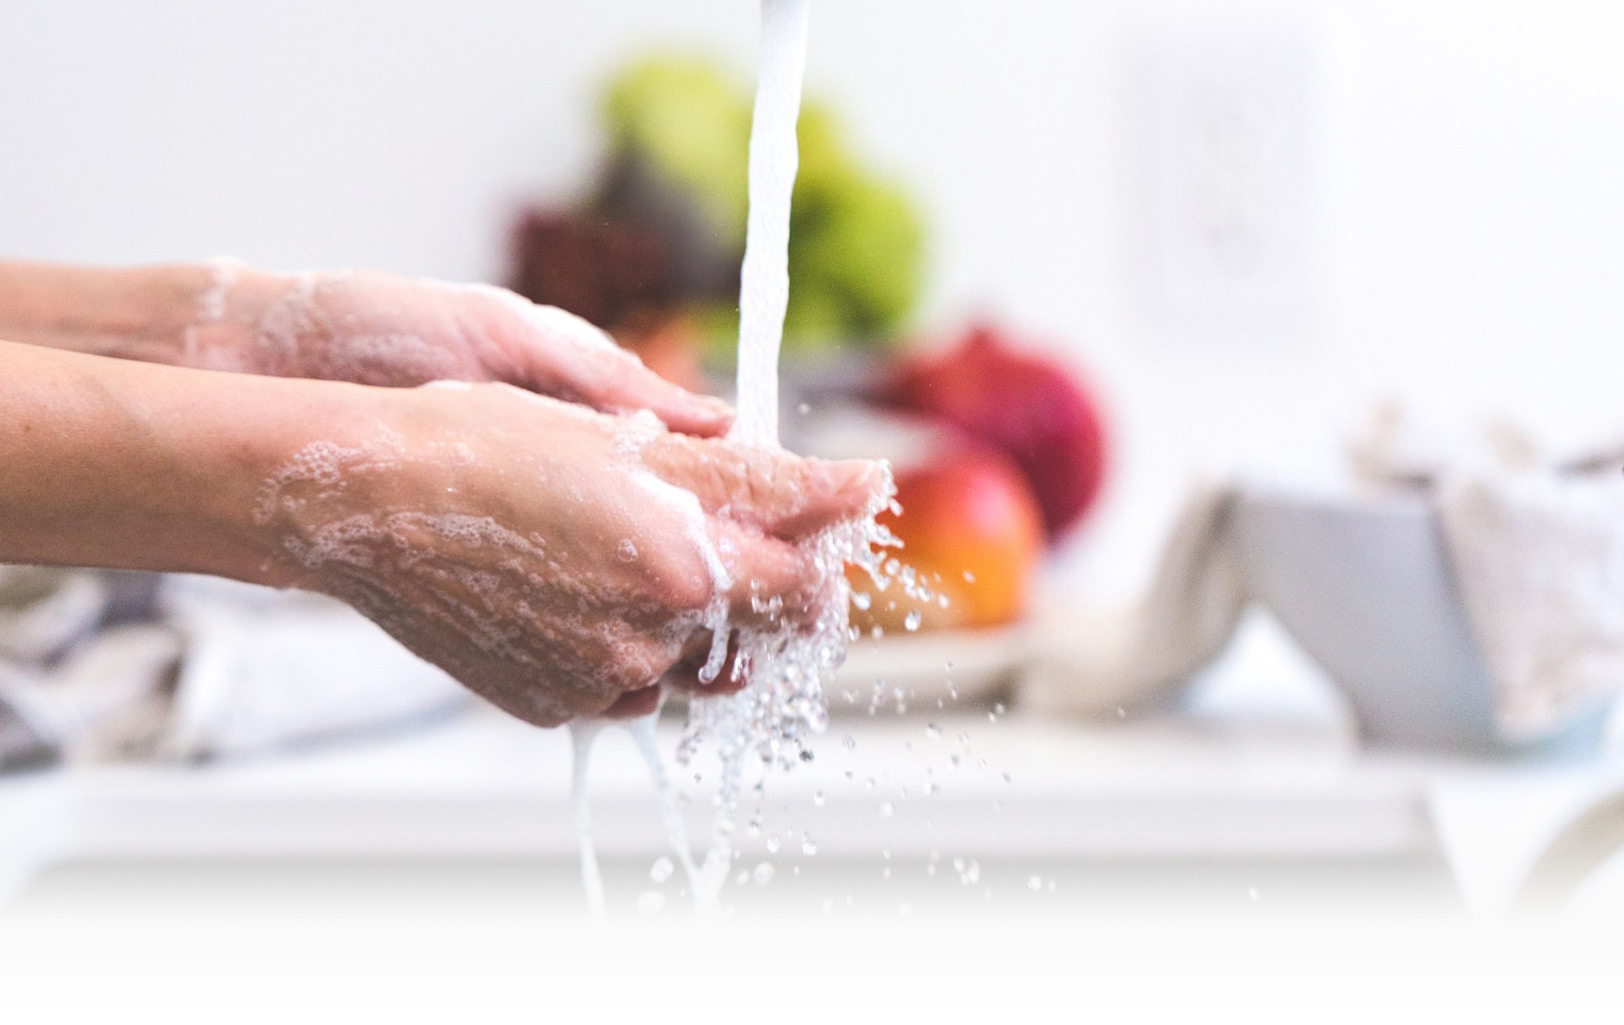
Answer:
(486, 785)
(1232, 785)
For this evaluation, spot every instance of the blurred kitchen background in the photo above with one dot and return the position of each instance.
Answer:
(1261, 240)
(1246, 222)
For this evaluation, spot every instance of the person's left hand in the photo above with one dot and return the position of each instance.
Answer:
(379, 329)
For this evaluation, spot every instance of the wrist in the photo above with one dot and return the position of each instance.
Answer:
(133, 313)
(311, 445)
(200, 315)
(106, 463)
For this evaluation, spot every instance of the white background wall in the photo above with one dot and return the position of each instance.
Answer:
(1463, 233)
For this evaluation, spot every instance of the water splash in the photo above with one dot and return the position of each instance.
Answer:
(582, 734)
(781, 705)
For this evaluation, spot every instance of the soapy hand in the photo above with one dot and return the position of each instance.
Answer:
(556, 560)
(373, 328)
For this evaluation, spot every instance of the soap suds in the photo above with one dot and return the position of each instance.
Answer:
(495, 603)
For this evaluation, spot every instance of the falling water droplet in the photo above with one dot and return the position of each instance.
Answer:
(849, 742)
(932, 730)
(809, 846)
(887, 809)
(661, 870)
(763, 873)
(817, 798)
(911, 621)
(1034, 883)
(772, 845)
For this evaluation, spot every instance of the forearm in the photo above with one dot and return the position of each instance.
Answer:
(127, 465)
(170, 313)
(135, 313)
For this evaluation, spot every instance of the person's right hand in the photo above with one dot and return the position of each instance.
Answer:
(368, 327)
(556, 560)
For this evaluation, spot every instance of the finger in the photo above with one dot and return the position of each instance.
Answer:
(684, 675)
(784, 495)
(563, 355)
(635, 703)
(774, 583)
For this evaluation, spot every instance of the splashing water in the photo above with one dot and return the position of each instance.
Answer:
(782, 704)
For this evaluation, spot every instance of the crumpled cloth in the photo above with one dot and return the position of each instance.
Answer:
(192, 668)
(1536, 545)
(1536, 541)
(1540, 561)
(1108, 661)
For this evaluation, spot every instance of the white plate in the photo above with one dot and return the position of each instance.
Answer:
(972, 664)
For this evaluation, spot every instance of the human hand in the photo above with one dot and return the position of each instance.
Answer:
(373, 328)
(556, 560)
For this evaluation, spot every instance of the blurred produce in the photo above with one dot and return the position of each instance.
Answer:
(662, 232)
(601, 269)
(971, 531)
(1032, 408)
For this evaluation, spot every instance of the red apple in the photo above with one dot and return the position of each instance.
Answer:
(1031, 407)
(972, 531)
